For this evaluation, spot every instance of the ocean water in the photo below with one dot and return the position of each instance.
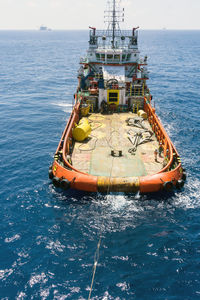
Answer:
(150, 246)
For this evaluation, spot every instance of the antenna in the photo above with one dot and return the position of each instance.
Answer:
(114, 15)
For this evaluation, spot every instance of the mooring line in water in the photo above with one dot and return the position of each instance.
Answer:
(96, 255)
(96, 258)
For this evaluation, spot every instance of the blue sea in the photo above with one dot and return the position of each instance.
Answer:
(150, 244)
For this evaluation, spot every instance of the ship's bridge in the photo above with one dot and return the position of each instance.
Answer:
(123, 39)
(105, 49)
(111, 56)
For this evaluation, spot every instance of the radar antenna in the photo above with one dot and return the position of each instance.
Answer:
(114, 15)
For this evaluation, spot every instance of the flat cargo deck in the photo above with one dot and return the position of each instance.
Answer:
(110, 132)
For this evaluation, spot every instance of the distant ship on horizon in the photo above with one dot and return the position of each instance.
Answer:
(44, 28)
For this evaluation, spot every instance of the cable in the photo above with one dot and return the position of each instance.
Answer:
(91, 149)
(96, 258)
(96, 255)
(91, 121)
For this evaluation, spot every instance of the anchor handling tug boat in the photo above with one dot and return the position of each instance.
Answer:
(114, 141)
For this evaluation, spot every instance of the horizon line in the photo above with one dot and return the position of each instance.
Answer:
(84, 29)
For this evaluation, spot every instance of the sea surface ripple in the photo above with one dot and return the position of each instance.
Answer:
(150, 247)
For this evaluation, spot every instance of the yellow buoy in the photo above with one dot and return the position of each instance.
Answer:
(82, 130)
(142, 114)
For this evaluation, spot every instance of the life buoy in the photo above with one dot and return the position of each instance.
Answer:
(93, 91)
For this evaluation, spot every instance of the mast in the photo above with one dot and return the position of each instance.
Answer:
(113, 24)
(113, 16)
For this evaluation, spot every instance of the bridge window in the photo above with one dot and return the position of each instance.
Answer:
(123, 57)
(128, 57)
(109, 56)
(102, 56)
(117, 57)
(97, 56)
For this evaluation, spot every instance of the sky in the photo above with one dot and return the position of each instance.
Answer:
(79, 14)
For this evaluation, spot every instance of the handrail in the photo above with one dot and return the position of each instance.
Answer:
(163, 137)
(69, 126)
(68, 123)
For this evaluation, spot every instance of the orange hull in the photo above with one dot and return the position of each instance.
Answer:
(64, 175)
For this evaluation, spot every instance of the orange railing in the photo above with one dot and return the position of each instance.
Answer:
(161, 134)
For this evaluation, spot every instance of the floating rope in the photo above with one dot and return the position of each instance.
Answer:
(96, 258)
(96, 255)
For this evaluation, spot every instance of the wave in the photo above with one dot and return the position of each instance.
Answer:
(66, 107)
(189, 198)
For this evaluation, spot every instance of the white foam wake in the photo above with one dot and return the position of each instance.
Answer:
(66, 107)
